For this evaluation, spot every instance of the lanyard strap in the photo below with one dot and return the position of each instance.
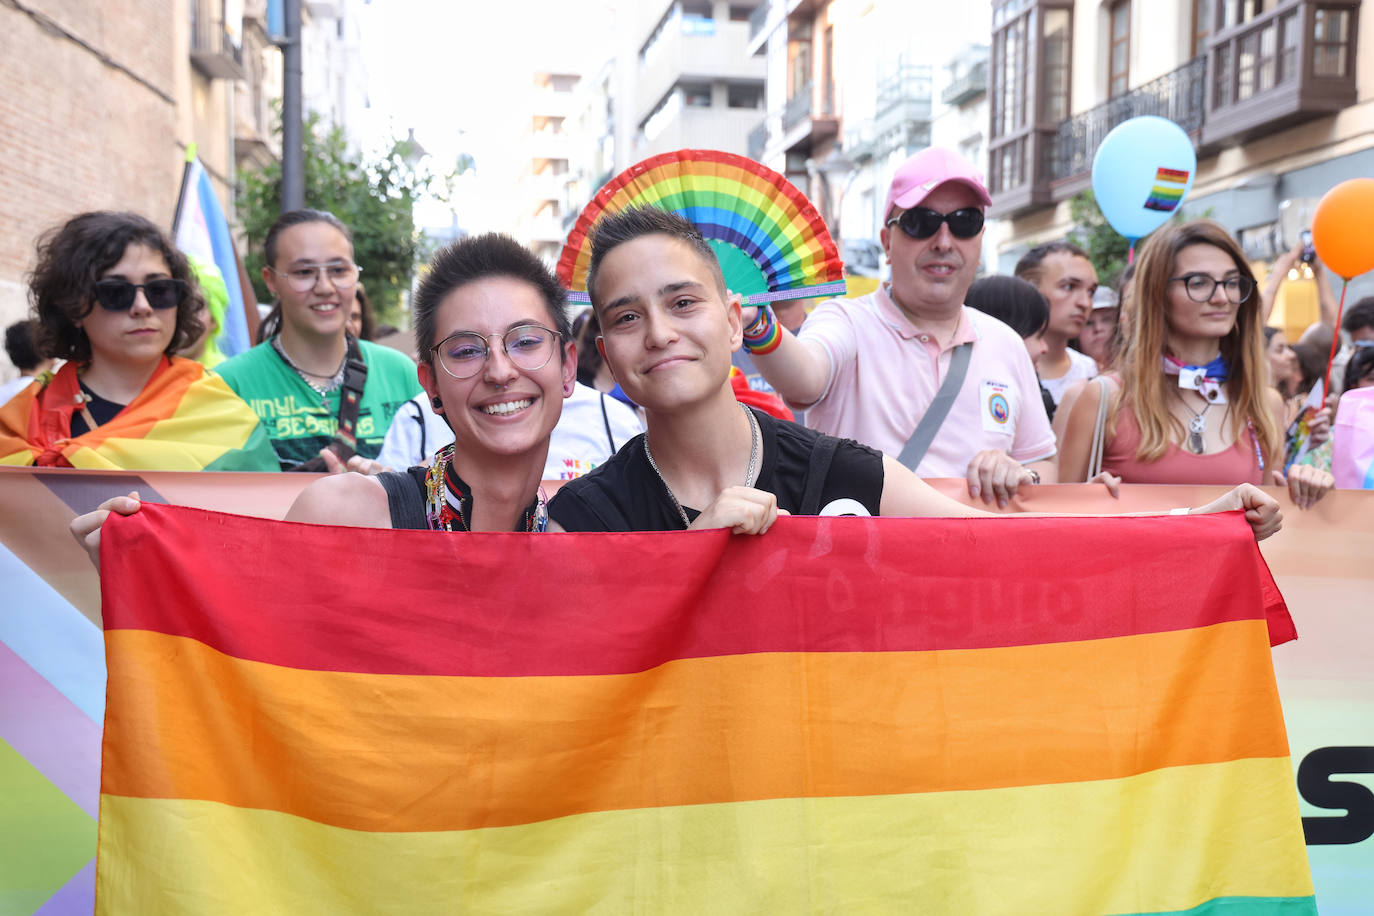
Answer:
(350, 396)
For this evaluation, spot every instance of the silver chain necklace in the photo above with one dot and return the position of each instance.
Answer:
(306, 377)
(754, 437)
(1197, 426)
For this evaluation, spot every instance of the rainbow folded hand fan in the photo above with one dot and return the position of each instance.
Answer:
(771, 242)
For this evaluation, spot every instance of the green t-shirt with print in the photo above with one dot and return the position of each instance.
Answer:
(298, 420)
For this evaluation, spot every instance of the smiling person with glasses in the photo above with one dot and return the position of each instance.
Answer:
(497, 361)
(116, 301)
(870, 368)
(1191, 403)
(324, 397)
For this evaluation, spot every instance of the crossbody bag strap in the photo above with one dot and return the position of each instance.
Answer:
(1099, 428)
(350, 397)
(934, 418)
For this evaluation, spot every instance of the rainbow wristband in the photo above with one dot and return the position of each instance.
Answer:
(764, 333)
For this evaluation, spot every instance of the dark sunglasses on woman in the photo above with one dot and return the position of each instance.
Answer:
(118, 295)
(922, 222)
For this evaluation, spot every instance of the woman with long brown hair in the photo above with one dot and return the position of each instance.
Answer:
(1190, 402)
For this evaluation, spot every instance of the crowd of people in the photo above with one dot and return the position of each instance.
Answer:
(639, 407)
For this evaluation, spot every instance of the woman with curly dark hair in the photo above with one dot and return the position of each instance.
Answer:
(116, 300)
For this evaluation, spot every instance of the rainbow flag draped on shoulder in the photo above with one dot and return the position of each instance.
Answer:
(846, 715)
(184, 419)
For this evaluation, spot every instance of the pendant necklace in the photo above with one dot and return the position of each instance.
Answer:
(322, 390)
(1197, 426)
(754, 437)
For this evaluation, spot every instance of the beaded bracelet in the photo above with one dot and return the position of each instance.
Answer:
(763, 334)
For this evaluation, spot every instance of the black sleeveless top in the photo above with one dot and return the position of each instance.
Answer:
(405, 497)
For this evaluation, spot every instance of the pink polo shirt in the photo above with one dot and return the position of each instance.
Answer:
(884, 373)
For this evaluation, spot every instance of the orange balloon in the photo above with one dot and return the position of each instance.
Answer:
(1343, 228)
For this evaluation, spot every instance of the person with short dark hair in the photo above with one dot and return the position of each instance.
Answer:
(497, 361)
(1064, 273)
(668, 328)
(295, 379)
(22, 348)
(1021, 307)
(116, 300)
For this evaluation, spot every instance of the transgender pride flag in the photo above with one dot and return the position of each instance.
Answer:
(201, 229)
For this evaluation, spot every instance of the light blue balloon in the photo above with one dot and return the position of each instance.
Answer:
(1141, 173)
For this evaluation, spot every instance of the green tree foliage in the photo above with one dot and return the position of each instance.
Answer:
(373, 198)
(1106, 247)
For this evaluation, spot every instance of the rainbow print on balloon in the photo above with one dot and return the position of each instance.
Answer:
(771, 242)
(1169, 188)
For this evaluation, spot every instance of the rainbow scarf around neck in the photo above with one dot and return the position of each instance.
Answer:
(184, 419)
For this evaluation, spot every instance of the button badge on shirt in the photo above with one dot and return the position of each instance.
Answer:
(998, 407)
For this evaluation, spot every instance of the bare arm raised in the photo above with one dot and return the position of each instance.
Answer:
(799, 370)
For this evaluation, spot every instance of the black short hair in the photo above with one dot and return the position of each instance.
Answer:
(1012, 301)
(297, 218)
(615, 229)
(1361, 364)
(73, 256)
(21, 344)
(1032, 262)
(1360, 315)
(586, 329)
(475, 258)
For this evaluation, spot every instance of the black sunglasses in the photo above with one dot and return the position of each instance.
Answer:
(922, 223)
(118, 295)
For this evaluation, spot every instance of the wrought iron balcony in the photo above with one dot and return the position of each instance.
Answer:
(214, 51)
(1176, 96)
(967, 87)
(909, 85)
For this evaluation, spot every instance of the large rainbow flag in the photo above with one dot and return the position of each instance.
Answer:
(845, 715)
(184, 419)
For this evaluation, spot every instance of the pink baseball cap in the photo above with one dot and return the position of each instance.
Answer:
(926, 171)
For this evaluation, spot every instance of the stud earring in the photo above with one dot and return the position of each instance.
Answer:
(436, 402)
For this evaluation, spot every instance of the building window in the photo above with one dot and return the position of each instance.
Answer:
(1237, 12)
(662, 115)
(1057, 46)
(1331, 37)
(1119, 53)
(1009, 77)
(744, 95)
(696, 95)
(799, 62)
(1202, 27)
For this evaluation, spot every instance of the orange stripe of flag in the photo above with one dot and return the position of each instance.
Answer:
(418, 752)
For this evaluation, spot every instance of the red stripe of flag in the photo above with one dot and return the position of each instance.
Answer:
(912, 585)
